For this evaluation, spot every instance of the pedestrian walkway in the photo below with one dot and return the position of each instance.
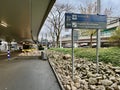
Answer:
(27, 74)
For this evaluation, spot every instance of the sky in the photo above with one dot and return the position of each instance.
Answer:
(104, 4)
(114, 4)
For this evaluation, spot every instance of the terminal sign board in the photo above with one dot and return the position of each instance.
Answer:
(85, 21)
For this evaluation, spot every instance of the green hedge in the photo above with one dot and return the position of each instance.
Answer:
(106, 55)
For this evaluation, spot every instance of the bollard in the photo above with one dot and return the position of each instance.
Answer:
(43, 56)
(8, 54)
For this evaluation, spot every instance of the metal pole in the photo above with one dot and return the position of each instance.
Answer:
(97, 52)
(98, 31)
(72, 55)
(46, 40)
(98, 6)
(98, 39)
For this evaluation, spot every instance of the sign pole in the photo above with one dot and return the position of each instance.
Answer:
(72, 55)
(98, 39)
(97, 52)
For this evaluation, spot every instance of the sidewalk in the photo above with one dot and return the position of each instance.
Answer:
(30, 74)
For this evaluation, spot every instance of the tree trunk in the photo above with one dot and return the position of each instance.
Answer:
(91, 40)
(57, 41)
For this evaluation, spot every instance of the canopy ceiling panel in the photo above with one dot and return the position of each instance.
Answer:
(24, 18)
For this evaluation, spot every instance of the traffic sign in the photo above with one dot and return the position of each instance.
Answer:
(85, 21)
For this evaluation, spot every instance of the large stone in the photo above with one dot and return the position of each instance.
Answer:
(118, 87)
(89, 74)
(104, 77)
(99, 78)
(85, 87)
(110, 65)
(78, 65)
(115, 86)
(77, 79)
(83, 82)
(66, 56)
(106, 82)
(118, 80)
(109, 71)
(117, 75)
(55, 56)
(68, 87)
(112, 78)
(73, 87)
(92, 87)
(92, 81)
(117, 71)
(77, 85)
(109, 88)
(100, 87)
(116, 68)
(71, 83)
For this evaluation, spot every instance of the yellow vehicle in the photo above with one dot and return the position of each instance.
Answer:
(27, 48)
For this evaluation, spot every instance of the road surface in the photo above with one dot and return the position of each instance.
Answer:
(21, 74)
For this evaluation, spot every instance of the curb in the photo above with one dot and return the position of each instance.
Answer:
(59, 82)
(28, 57)
(10, 59)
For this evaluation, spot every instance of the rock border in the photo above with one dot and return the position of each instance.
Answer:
(85, 75)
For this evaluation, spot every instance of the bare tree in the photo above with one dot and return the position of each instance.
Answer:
(56, 19)
(108, 11)
(51, 33)
(116, 36)
(91, 8)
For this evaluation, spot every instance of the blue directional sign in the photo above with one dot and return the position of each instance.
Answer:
(85, 21)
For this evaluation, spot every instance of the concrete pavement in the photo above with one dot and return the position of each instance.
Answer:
(29, 74)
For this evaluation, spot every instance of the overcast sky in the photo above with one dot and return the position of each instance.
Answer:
(115, 4)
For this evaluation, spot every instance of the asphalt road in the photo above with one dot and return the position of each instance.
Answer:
(27, 75)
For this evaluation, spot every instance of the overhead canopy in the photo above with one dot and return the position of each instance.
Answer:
(22, 19)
